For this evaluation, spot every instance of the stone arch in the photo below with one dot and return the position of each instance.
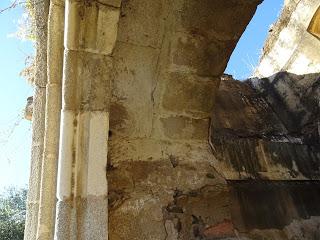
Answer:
(169, 56)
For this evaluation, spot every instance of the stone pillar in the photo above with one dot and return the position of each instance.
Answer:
(46, 215)
(90, 34)
(41, 15)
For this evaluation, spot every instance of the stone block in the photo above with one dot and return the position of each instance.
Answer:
(189, 94)
(63, 228)
(55, 43)
(221, 230)
(197, 54)
(132, 107)
(91, 27)
(94, 221)
(214, 19)
(180, 127)
(96, 181)
(57, 2)
(141, 22)
(87, 75)
(134, 219)
(113, 3)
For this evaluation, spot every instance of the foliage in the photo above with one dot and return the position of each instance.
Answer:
(26, 28)
(26, 24)
(12, 214)
(29, 70)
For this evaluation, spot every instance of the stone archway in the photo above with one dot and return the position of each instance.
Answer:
(169, 57)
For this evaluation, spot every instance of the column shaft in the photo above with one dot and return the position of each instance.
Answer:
(90, 34)
(41, 10)
(46, 215)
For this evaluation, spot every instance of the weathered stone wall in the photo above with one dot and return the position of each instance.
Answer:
(267, 132)
(263, 152)
(295, 100)
(165, 181)
(290, 47)
(140, 102)
(168, 59)
(284, 210)
(38, 119)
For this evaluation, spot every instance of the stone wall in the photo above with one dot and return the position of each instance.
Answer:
(267, 130)
(168, 59)
(153, 145)
(291, 46)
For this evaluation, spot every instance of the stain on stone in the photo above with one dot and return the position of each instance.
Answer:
(210, 175)
(190, 93)
(252, 139)
(174, 161)
(116, 198)
(181, 127)
(198, 209)
(118, 117)
(272, 204)
(223, 229)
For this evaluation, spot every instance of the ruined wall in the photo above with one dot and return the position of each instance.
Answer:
(189, 156)
(263, 147)
(295, 99)
(284, 210)
(255, 133)
(165, 180)
(290, 46)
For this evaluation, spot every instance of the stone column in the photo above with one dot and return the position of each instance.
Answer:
(90, 34)
(41, 16)
(46, 215)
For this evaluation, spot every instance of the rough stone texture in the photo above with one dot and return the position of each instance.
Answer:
(275, 210)
(166, 73)
(253, 136)
(38, 119)
(90, 33)
(87, 84)
(63, 216)
(146, 196)
(28, 110)
(87, 29)
(184, 128)
(295, 99)
(131, 104)
(252, 202)
(176, 142)
(36, 164)
(290, 47)
(46, 216)
(92, 220)
(194, 94)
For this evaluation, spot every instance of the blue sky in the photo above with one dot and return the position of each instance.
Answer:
(15, 132)
(246, 55)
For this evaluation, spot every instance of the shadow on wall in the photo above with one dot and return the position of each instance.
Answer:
(287, 209)
(268, 128)
(295, 99)
(265, 137)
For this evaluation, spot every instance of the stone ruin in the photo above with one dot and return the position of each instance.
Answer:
(139, 135)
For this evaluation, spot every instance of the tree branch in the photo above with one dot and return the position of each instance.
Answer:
(13, 5)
